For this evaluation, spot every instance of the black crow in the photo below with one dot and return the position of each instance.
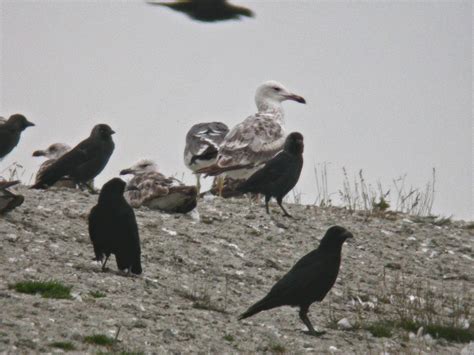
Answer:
(309, 280)
(113, 228)
(280, 174)
(9, 200)
(207, 10)
(10, 132)
(84, 162)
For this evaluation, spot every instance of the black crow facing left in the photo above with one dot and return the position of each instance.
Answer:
(84, 162)
(309, 280)
(10, 132)
(113, 228)
(280, 174)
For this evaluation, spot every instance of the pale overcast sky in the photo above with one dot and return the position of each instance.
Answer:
(388, 84)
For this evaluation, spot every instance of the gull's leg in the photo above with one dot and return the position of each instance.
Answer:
(220, 185)
(198, 183)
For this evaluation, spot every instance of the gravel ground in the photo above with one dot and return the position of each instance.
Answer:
(202, 270)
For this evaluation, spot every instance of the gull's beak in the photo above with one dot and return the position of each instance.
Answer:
(126, 171)
(296, 98)
(39, 153)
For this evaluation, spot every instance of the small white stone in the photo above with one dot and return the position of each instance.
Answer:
(344, 324)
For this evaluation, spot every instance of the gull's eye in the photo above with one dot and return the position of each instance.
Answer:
(276, 88)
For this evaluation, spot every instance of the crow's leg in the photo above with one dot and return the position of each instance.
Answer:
(105, 262)
(285, 213)
(267, 199)
(304, 317)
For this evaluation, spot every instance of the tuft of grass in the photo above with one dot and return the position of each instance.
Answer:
(277, 348)
(63, 345)
(97, 294)
(450, 333)
(380, 329)
(99, 339)
(228, 337)
(47, 289)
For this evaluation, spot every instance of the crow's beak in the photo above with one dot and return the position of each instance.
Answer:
(29, 124)
(349, 235)
(126, 171)
(39, 153)
(112, 132)
(296, 98)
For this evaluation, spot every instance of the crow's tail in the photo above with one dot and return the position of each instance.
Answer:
(261, 305)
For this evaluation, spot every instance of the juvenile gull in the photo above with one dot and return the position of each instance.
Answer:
(150, 188)
(10, 132)
(52, 153)
(258, 138)
(202, 145)
(207, 10)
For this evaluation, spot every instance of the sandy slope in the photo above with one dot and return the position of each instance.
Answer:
(233, 255)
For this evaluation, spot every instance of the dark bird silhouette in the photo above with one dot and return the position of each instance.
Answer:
(84, 162)
(113, 228)
(10, 132)
(309, 280)
(280, 174)
(9, 200)
(207, 10)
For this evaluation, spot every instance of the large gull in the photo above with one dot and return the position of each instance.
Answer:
(202, 145)
(258, 138)
(150, 188)
(52, 153)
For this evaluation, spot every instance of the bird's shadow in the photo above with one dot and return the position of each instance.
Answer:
(314, 334)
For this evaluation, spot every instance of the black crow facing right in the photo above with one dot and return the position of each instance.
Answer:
(280, 174)
(84, 162)
(10, 132)
(113, 228)
(309, 280)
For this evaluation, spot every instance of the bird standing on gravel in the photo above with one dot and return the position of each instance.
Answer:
(113, 229)
(202, 145)
(280, 174)
(10, 132)
(84, 162)
(309, 280)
